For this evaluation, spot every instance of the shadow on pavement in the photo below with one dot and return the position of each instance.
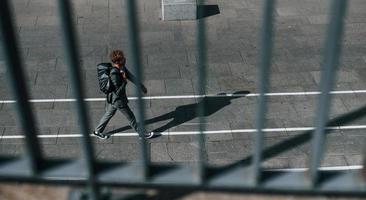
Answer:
(295, 141)
(185, 113)
(279, 148)
(207, 11)
(268, 153)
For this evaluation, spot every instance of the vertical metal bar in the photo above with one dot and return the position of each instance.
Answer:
(201, 69)
(363, 170)
(17, 79)
(331, 60)
(134, 44)
(264, 61)
(72, 56)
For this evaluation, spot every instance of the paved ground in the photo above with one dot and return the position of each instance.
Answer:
(21, 191)
(170, 69)
(41, 192)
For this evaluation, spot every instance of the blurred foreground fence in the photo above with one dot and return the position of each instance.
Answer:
(243, 176)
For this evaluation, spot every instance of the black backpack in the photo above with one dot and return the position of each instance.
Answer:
(105, 83)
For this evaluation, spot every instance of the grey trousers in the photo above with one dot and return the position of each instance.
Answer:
(126, 111)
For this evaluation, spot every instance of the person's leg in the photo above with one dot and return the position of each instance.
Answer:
(110, 111)
(126, 111)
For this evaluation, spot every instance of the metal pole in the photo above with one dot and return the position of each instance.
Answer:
(15, 72)
(134, 44)
(331, 61)
(201, 69)
(72, 56)
(263, 85)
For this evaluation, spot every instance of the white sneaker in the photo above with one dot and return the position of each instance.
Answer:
(100, 135)
(149, 135)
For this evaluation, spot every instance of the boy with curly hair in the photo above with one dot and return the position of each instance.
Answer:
(117, 99)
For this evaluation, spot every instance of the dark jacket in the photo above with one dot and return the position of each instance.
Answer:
(118, 97)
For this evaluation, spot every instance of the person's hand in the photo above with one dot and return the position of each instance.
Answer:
(124, 75)
(143, 88)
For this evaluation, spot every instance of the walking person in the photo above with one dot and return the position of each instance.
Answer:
(117, 98)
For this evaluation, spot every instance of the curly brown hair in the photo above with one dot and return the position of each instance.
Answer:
(117, 57)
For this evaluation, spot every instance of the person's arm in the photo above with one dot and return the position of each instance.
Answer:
(117, 81)
(133, 79)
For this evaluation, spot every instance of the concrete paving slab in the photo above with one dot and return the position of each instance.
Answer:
(219, 137)
(56, 78)
(181, 152)
(39, 64)
(350, 133)
(2, 130)
(159, 153)
(122, 140)
(355, 159)
(299, 161)
(235, 84)
(43, 106)
(168, 73)
(45, 131)
(212, 85)
(172, 104)
(179, 86)
(333, 161)
(337, 108)
(127, 151)
(8, 118)
(54, 117)
(242, 69)
(45, 91)
(276, 163)
(246, 136)
(354, 146)
(12, 149)
(47, 21)
(62, 151)
(26, 20)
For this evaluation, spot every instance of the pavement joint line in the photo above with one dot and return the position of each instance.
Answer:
(193, 96)
(170, 133)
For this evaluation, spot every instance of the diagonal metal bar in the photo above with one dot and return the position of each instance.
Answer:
(331, 61)
(201, 69)
(134, 45)
(17, 79)
(72, 56)
(263, 85)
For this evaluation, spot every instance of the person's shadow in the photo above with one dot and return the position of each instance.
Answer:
(185, 113)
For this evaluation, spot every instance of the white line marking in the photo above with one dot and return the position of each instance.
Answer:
(294, 129)
(193, 96)
(351, 167)
(353, 127)
(16, 137)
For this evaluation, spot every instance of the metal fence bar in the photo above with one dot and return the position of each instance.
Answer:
(72, 56)
(201, 69)
(364, 164)
(331, 61)
(134, 45)
(17, 79)
(263, 84)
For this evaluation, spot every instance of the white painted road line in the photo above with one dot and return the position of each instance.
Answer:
(194, 96)
(294, 129)
(351, 167)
